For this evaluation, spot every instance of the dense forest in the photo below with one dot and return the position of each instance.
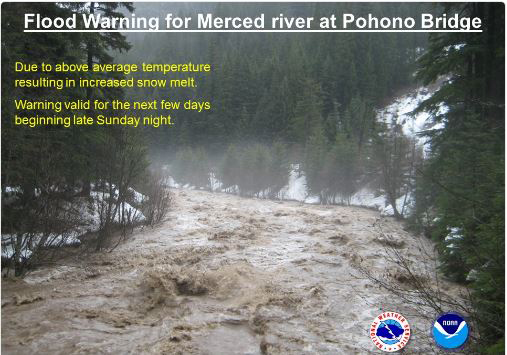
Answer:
(267, 87)
(279, 100)
(281, 103)
(60, 183)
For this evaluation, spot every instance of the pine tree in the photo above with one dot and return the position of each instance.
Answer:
(340, 169)
(467, 164)
(308, 113)
(279, 168)
(230, 169)
(359, 121)
(392, 151)
(315, 155)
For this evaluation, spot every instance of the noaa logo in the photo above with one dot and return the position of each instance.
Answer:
(390, 331)
(450, 331)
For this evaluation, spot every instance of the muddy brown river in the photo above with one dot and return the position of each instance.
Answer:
(222, 275)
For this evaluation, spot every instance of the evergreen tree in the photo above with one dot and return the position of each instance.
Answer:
(315, 155)
(392, 151)
(230, 169)
(279, 168)
(308, 113)
(467, 164)
(359, 121)
(340, 169)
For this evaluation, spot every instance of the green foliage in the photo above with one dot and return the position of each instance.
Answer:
(341, 169)
(331, 170)
(191, 166)
(498, 348)
(276, 87)
(230, 169)
(307, 113)
(54, 166)
(255, 164)
(279, 168)
(359, 121)
(395, 154)
(315, 157)
(462, 184)
(255, 170)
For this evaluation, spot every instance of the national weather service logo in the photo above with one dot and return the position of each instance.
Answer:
(390, 331)
(450, 331)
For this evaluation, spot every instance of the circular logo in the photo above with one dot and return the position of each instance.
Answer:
(390, 331)
(450, 331)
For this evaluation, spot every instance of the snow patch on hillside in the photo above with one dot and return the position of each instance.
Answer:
(297, 190)
(401, 110)
(89, 221)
